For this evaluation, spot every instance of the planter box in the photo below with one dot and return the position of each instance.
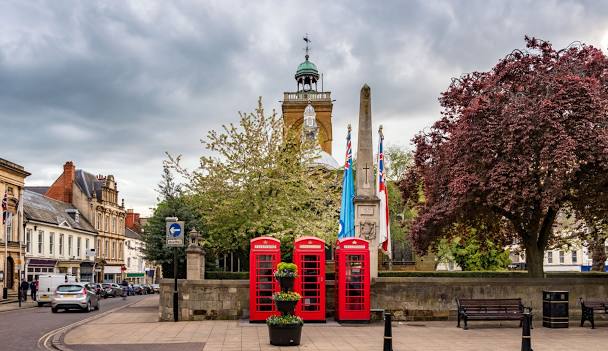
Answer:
(285, 335)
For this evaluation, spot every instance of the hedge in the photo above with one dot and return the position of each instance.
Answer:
(446, 274)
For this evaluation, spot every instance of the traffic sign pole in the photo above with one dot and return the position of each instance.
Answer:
(175, 239)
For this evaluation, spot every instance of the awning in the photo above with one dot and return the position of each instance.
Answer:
(134, 275)
(41, 262)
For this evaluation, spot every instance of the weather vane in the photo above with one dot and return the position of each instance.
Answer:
(307, 42)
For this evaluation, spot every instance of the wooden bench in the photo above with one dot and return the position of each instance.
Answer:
(490, 310)
(590, 307)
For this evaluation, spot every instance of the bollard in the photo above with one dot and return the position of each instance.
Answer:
(526, 338)
(388, 333)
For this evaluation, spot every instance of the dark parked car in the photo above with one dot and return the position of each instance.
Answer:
(148, 289)
(138, 289)
(112, 289)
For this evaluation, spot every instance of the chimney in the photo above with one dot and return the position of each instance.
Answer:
(132, 220)
(69, 174)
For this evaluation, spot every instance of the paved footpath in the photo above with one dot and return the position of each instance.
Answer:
(136, 328)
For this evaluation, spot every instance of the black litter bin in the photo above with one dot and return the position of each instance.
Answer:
(555, 309)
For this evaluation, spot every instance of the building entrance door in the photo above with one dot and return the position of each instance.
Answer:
(10, 272)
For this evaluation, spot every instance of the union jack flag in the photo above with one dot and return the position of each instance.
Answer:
(4, 207)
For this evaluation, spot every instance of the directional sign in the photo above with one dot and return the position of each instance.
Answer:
(175, 234)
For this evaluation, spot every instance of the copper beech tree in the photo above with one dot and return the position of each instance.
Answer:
(513, 146)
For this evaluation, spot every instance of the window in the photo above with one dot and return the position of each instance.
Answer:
(78, 246)
(70, 244)
(9, 228)
(28, 240)
(107, 224)
(114, 225)
(51, 243)
(98, 251)
(574, 256)
(106, 252)
(549, 256)
(98, 222)
(40, 242)
(86, 244)
(561, 257)
(61, 244)
(113, 249)
(128, 261)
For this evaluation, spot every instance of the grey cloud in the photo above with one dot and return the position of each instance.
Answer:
(113, 85)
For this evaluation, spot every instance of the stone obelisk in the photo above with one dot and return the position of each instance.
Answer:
(366, 202)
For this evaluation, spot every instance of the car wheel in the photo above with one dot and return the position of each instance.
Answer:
(54, 309)
(89, 308)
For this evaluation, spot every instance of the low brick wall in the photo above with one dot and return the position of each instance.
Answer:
(412, 298)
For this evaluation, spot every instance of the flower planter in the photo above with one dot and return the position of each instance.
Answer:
(286, 307)
(285, 335)
(286, 283)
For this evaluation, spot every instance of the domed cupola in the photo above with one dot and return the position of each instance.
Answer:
(307, 73)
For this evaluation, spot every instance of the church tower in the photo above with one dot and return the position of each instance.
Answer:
(295, 103)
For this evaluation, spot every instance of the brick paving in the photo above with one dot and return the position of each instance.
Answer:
(139, 325)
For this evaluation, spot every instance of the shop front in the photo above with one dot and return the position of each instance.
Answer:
(136, 278)
(38, 266)
(86, 271)
(112, 274)
(71, 267)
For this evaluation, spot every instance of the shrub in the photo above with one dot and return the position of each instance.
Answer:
(286, 296)
(286, 270)
(284, 320)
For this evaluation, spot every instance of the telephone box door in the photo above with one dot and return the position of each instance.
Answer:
(353, 280)
(309, 256)
(265, 254)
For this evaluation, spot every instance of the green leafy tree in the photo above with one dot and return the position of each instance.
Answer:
(172, 203)
(253, 182)
(472, 254)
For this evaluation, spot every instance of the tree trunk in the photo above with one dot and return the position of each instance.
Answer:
(534, 259)
(598, 253)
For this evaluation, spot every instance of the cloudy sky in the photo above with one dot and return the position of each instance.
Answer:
(114, 85)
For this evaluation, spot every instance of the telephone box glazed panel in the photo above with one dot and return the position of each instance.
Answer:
(352, 280)
(309, 256)
(264, 256)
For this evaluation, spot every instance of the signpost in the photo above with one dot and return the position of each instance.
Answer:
(175, 238)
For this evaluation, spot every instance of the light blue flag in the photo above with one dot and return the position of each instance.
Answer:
(347, 211)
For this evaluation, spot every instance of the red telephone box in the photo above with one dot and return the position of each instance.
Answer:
(352, 280)
(264, 256)
(309, 256)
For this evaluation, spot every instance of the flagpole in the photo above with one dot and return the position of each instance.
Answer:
(5, 222)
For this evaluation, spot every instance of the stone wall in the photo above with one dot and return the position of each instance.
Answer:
(205, 299)
(413, 298)
(420, 298)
